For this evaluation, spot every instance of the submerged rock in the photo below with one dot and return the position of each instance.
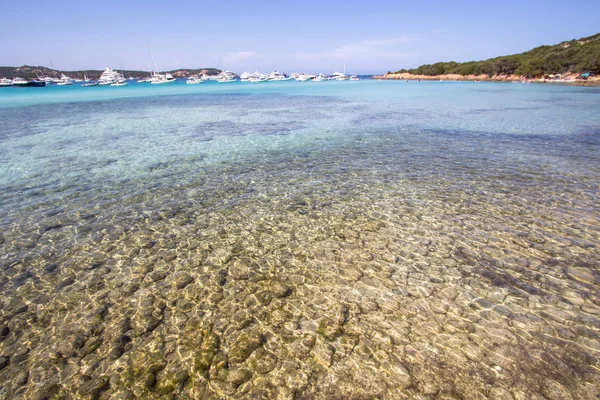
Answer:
(244, 345)
(238, 376)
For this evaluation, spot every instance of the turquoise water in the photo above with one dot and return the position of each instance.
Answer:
(319, 240)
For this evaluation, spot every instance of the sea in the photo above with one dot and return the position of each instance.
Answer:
(300, 240)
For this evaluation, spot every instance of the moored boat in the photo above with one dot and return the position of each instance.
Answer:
(245, 76)
(304, 77)
(226, 77)
(64, 77)
(339, 76)
(259, 78)
(119, 82)
(5, 82)
(110, 76)
(279, 76)
(19, 82)
(36, 83)
(160, 79)
(193, 80)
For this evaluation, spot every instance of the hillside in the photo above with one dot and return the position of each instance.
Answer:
(574, 56)
(29, 72)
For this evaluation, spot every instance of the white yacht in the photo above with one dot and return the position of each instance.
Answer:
(193, 80)
(226, 76)
(253, 77)
(320, 78)
(304, 77)
(49, 80)
(209, 77)
(110, 76)
(19, 82)
(338, 76)
(354, 78)
(155, 77)
(63, 77)
(258, 78)
(5, 82)
(278, 76)
(119, 82)
(160, 78)
(245, 77)
(64, 82)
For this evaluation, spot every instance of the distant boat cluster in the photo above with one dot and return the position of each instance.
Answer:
(108, 77)
(111, 77)
(20, 82)
(228, 76)
(278, 76)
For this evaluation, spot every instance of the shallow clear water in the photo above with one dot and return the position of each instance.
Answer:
(300, 240)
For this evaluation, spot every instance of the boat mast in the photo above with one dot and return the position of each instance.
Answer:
(153, 63)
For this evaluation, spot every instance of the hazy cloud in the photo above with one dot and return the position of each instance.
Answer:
(371, 49)
(240, 56)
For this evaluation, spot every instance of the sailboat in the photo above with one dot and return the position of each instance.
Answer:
(157, 78)
(338, 76)
(226, 76)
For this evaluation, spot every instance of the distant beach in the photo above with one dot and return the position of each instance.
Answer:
(569, 79)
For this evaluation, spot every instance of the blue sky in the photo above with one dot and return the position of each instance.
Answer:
(307, 36)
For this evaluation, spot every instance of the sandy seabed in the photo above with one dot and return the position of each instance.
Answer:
(305, 279)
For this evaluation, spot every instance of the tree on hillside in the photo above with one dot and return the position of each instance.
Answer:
(582, 55)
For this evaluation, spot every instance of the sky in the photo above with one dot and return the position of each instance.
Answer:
(291, 36)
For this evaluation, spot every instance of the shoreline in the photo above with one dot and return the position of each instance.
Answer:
(593, 81)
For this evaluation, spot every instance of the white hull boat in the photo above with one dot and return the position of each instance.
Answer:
(194, 80)
(161, 81)
(19, 82)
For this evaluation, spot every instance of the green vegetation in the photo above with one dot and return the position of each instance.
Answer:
(576, 56)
